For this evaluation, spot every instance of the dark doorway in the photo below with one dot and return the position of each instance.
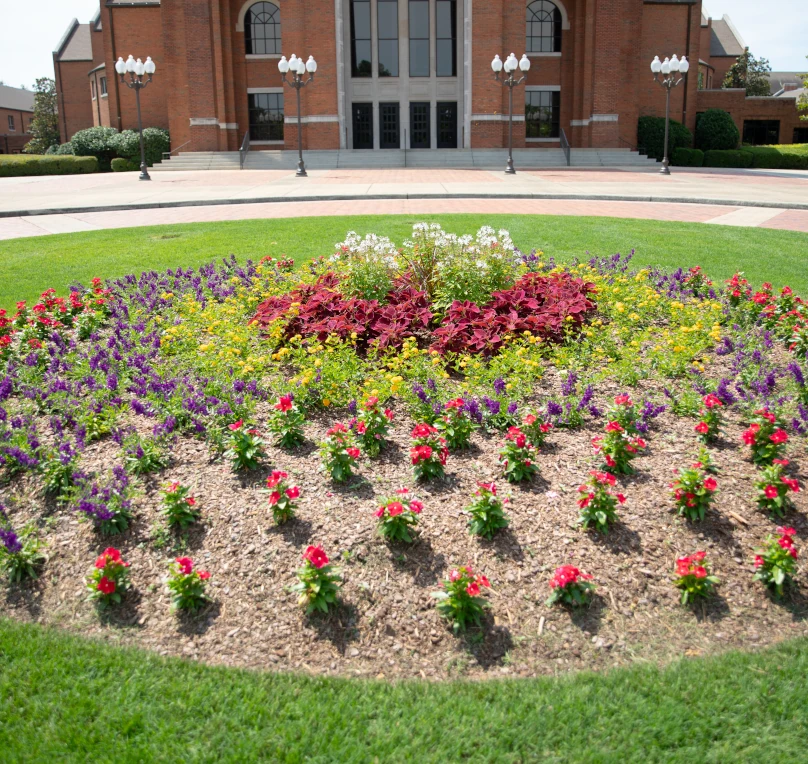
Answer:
(447, 125)
(419, 125)
(389, 126)
(800, 135)
(362, 125)
(761, 132)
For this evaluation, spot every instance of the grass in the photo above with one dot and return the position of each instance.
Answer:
(65, 698)
(29, 266)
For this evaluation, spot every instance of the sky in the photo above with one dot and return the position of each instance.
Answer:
(776, 29)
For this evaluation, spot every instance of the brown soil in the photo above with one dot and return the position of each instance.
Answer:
(387, 625)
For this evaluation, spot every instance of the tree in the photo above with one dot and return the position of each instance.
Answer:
(749, 73)
(802, 103)
(45, 124)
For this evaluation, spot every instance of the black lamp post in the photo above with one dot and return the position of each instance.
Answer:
(510, 65)
(136, 82)
(670, 69)
(298, 67)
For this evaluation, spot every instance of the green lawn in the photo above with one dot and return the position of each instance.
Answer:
(68, 699)
(29, 266)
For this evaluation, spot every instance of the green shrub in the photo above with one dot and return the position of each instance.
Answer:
(715, 131)
(18, 165)
(727, 159)
(155, 140)
(651, 136)
(96, 142)
(66, 149)
(119, 164)
(788, 157)
(688, 157)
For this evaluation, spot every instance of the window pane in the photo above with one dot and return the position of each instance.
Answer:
(388, 20)
(266, 116)
(419, 19)
(542, 114)
(360, 39)
(445, 64)
(388, 58)
(444, 21)
(262, 29)
(419, 58)
(362, 19)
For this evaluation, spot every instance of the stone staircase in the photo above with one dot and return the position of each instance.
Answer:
(489, 159)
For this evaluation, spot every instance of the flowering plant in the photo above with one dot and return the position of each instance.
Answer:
(455, 425)
(245, 447)
(371, 426)
(487, 512)
(570, 586)
(766, 437)
(623, 412)
(428, 453)
(738, 290)
(20, 555)
(618, 448)
(108, 506)
(187, 585)
(282, 497)
(536, 429)
(710, 419)
(773, 488)
(397, 516)
(697, 280)
(338, 453)
(109, 579)
(286, 422)
(461, 601)
(693, 492)
(318, 582)
(518, 457)
(598, 504)
(178, 507)
(693, 576)
(776, 563)
(144, 455)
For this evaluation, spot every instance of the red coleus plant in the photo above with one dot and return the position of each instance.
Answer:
(179, 508)
(776, 563)
(709, 425)
(693, 576)
(187, 585)
(536, 428)
(598, 503)
(541, 305)
(570, 586)
(428, 453)
(618, 448)
(461, 601)
(109, 579)
(282, 497)
(773, 488)
(765, 437)
(317, 582)
(398, 516)
(286, 422)
(518, 456)
(339, 453)
(371, 426)
(693, 491)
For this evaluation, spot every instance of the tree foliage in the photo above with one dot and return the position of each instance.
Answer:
(45, 124)
(802, 103)
(749, 73)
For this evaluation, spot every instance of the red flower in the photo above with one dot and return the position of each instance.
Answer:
(389, 414)
(700, 572)
(786, 531)
(770, 492)
(274, 497)
(483, 581)
(614, 427)
(361, 428)
(702, 428)
(623, 400)
(472, 589)
(792, 484)
(173, 487)
(185, 565)
(620, 498)
(316, 556)
(778, 436)
(711, 401)
(371, 402)
(749, 437)
(584, 500)
(489, 487)
(454, 575)
(546, 427)
(423, 430)
(710, 484)
(699, 556)
(529, 420)
(521, 440)
(338, 427)
(379, 512)
(236, 425)
(395, 508)
(204, 575)
(284, 403)
(292, 492)
(758, 561)
(352, 452)
(609, 461)
(781, 462)
(190, 501)
(457, 403)
(416, 506)
(106, 585)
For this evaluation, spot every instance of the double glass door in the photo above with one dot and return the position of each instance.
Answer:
(388, 122)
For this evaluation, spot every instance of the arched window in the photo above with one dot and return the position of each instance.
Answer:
(262, 29)
(543, 27)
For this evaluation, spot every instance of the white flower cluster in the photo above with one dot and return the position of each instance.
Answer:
(372, 247)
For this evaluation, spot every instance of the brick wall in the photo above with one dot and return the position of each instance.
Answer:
(12, 142)
(75, 98)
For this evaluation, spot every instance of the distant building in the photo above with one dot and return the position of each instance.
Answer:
(16, 114)
(404, 73)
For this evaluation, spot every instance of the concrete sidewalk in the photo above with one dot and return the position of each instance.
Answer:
(19, 197)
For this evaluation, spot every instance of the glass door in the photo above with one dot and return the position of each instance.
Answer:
(419, 125)
(389, 126)
(447, 124)
(362, 125)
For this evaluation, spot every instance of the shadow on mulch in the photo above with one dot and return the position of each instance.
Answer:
(712, 609)
(794, 601)
(251, 478)
(124, 616)
(199, 622)
(392, 453)
(339, 626)
(489, 644)
(447, 484)
(26, 593)
(588, 618)
(297, 531)
(505, 544)
(537, 484)
(620, 538)
(359, 487)
(718, 527)
(419, 559)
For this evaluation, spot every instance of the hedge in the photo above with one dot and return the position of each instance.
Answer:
(727, 159)
(651, 136)
(716, 131)
(95, 141)
(155, 142)
(17, 165)
(119, 164)
(789, 157)
(688, 157)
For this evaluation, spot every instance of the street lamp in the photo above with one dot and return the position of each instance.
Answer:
(669, 69)
(136, 71)
(510, 65)
(298, 68)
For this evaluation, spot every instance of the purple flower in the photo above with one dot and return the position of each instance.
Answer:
(499, 386)
(9, 539)
(796, 372)
(568, 386)
(472, 408)
(352, 407)
(512, 407)
(492, 405)
(554, 409)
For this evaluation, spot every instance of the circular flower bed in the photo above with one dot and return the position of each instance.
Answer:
(392, 463)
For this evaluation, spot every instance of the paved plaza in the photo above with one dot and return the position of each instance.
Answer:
(36, 206)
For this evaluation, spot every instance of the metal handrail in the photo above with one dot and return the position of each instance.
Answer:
(565, 146)
(242, 152)
(167, 154)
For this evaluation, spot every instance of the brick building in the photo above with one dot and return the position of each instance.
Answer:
(403, 73)
(16, 113)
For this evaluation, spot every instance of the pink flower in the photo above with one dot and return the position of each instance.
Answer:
(361, 428)
(236, 425)
(770, 492)
(389, 414)
(185, 565)
(472, 589)
(529, 420)
(454, 575)
(352, 452)
(786, 531)
(316, 556)
(416, 506)
(204, 575)
(710, 484)
(371, 402)
(379, 512)
(711, 401)
(758, 561)
(292, 492)
(614, 427)
(623, 400)
(172, 487)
